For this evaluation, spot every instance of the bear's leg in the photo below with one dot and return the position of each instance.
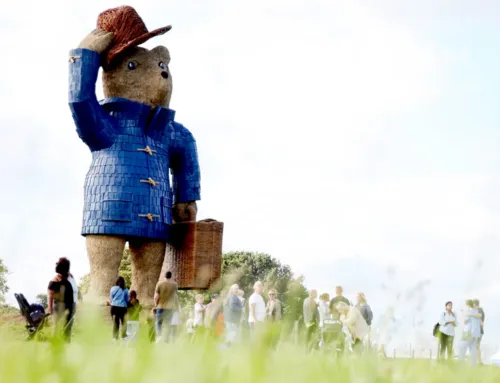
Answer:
(105, 253)
(147, 259)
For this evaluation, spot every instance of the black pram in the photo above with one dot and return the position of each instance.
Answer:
(34, 315)
(332, 338)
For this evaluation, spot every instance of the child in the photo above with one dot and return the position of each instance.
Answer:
(133, 311)
(199, 310)
(190, 326)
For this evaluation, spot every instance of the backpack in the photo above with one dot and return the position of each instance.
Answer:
(435, 330)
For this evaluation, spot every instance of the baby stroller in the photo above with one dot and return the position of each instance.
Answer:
(332, 337)
(34, 315)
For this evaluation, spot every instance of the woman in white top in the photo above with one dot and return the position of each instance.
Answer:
(447, 324)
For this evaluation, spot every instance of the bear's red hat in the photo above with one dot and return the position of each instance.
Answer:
(128, 28)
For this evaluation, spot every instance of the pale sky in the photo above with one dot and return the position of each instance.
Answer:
(342, 137)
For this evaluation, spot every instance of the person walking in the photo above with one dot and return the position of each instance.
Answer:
(133, 312)
(212, 312)
(324, 308)
(61, 300)
(273, 317)
(339, 297)
(471, 332)
(174, 325)
(257, 307)
(118, 299)
(366, 311)
(364, 308)
(233, 308)
(199, 310)
(166, 301)
(351, 317)
(76, 296)
(447, 324)
(311, 319)
(273, 307)
(480, 310)
(190, 326)
(244, 326)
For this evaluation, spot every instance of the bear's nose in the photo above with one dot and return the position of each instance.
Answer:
(164, 74)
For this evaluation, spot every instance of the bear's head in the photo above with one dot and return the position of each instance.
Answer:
(141, 75)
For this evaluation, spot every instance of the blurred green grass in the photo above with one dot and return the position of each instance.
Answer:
(93, 357)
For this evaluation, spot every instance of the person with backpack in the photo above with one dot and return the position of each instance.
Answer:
(446, 331)
(118, 300)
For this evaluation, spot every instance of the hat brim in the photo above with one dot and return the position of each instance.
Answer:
(118, 51)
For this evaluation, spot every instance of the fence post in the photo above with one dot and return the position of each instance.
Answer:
(430, 354)
(394, 353)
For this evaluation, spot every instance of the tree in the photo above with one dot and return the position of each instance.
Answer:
(43, 300)
(3, 281)
(125, 269)
(245, 268)
(84, 284)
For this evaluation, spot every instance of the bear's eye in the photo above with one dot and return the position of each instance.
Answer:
(162, 65)
(132, 65)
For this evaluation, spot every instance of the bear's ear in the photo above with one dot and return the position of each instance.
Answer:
(162, 53)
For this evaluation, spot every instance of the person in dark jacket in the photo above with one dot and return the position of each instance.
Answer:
(339, 297)
(364, 308)
(366, 312)
(61, 300)
(233, 308)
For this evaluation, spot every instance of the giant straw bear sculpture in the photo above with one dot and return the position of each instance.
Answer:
(135, 142)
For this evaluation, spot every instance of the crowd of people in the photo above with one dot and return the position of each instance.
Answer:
(225, 318)
(228, 317)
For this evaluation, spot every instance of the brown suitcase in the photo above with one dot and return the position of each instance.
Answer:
(194, 254)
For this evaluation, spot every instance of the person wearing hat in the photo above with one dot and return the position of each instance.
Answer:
(135, 143)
